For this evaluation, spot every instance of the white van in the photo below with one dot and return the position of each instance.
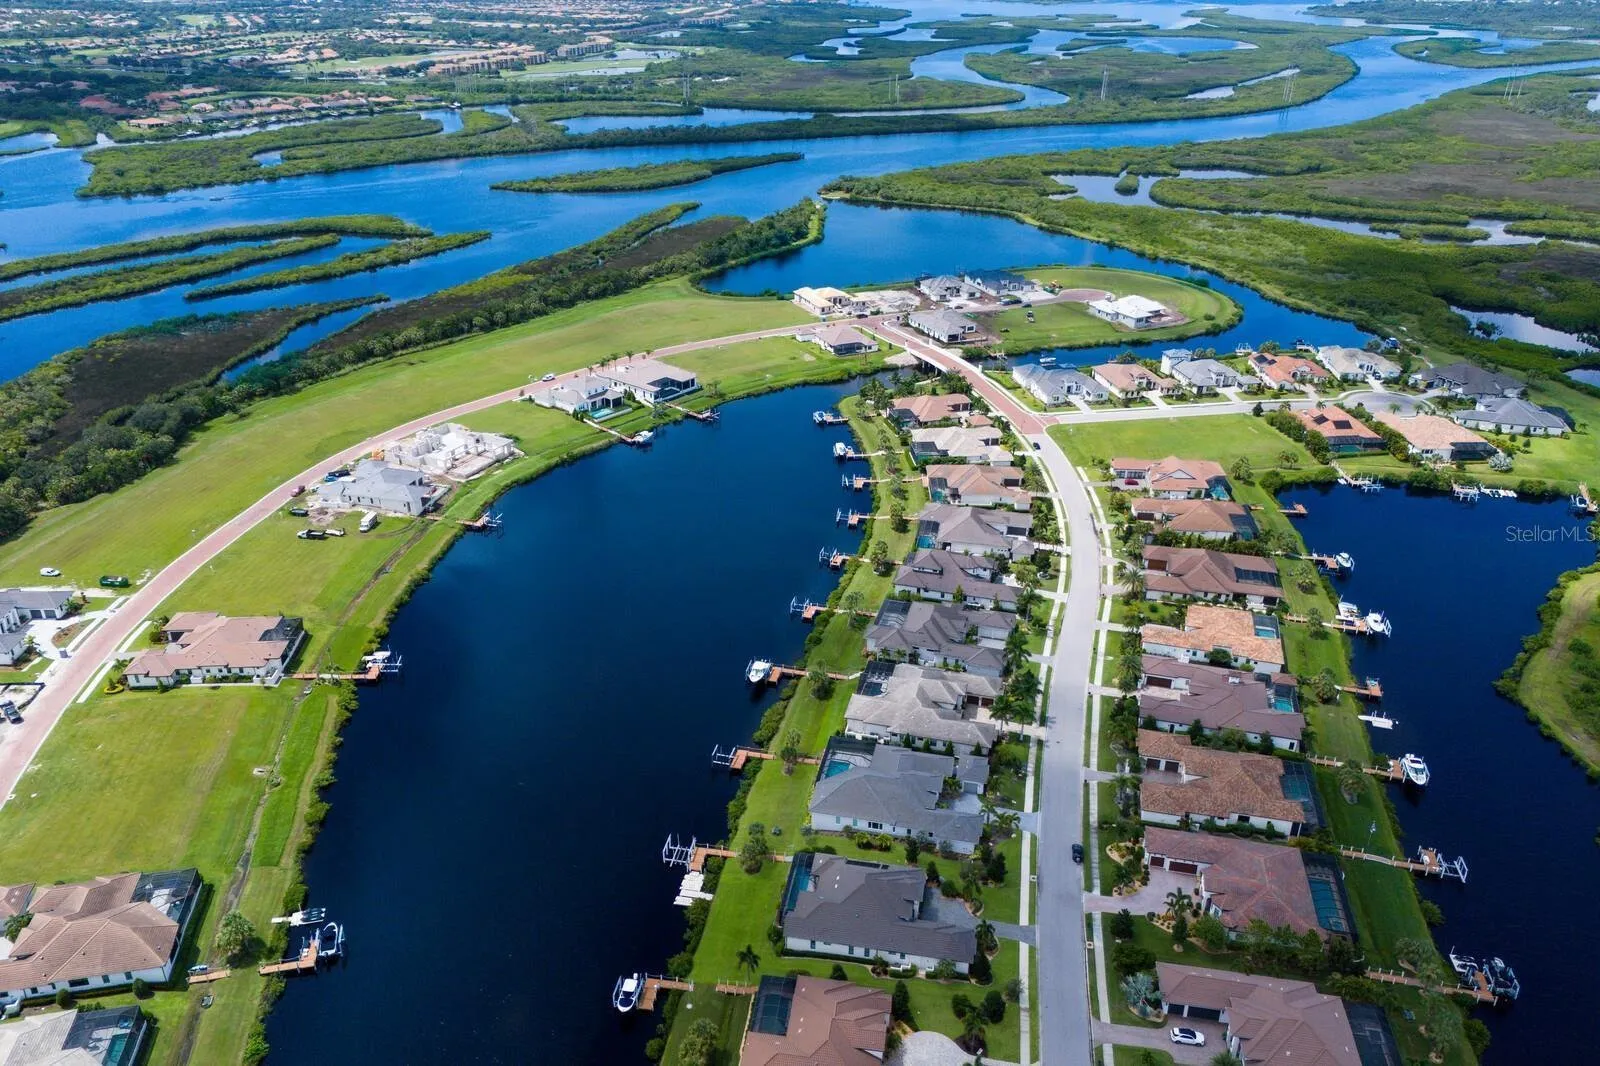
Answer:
(368, 520)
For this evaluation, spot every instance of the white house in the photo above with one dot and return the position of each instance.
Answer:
(588, 395)
(649, 381)
(379, 486)
(450, 449)
(1135, 312)
(1512, 414)
(827, 301)
(1356, 364)
(1055, 386)
(946, 327)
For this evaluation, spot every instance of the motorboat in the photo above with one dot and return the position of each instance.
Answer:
(1345, 561)
(1377, 721)
(1502, 978)
(841, 450)
(330, 940)
(1378, 623)
(644, 436)
(1047, 360)
(308, 916)
(757, 671)
(1465, 966)
(626, 995)
(1415, 770)
(1348, 612)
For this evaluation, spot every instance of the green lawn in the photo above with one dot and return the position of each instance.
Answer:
(1122, 1055)
(1223, 438)
(1070, 325)
(1549, 680)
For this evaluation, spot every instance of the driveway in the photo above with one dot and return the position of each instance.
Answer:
(1152, 897)
(1160, 1040)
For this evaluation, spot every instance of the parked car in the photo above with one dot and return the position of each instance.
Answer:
(11, 713)
(1190, 1037)
(299, 490)
(548, 377)
(335, 532)
(114, 581)
(298, 512)
(199, 968)
(49, 571)
(1077, 854)
(311, 534)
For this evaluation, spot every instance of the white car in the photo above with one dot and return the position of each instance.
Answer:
(1191, 1037)
(49, 571)
(548, 377)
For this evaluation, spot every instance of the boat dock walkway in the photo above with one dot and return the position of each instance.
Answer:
(305, 962)
(698, 416)
(1372, 690)
(778, 673)
(736, 759)
(1428, 863)
(1582, 501)
(209, 976)
(730, 988)
(859, 481)
(809, 612)
(1392, 773)
(853, 519)
(487, 522)
(833, 558)
(368, 676)
(827, 418)
(653, 986)
(1344, 625)
(1297, 511)
(1478, 991)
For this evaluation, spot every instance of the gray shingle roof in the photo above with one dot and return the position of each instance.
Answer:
(899, 787)
(869, 905)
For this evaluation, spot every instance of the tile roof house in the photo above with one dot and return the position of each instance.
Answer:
(946, 327)
(825, 300)
(1205, 376)
(812, 1021)
(1467, 379)
(204, 646)
(977, 486)
(1206, 574)
(379, 486)
(1211, 519)
(98, 934)
(1343, 431)
(952, 577)
(996, 282)
(1055, 386)
(975, 530)
(945, 287)
(840, 340)
(907, 702)
(897, 791)
(590, 395)
(936, 634)
(1171, 478)
(1356, 364)
(1512, 414)
(1135, 312)
(1240, 880)
(1250, 638)
(1188, 784)
(970, 444)
(1434, 437)
(106, 1036)
(923, 410)
(846, 907)
(1174, 695)
(1130, 379)
(650, 381)
(1287, 371)
(1269, 1020)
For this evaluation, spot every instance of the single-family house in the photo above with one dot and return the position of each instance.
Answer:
(1468, 380)
(1055, 386)
(650, 381)
(1174, 695)
(946, 327)
(33, 605)
(1207, 518)
(955, 577)
(375, 485)
(975, 530)
(1171, 478)
(825, 300)
(1171, 358)
(1512, 414)
(95, 935)
(942, 287)
(865, 910)
(1134, 312)
(908, 703)
(1271, 1020)
(840, 340)
(1287, 371)
(801, 1019)
(104, 1036)
(587, 395)
(1240, 881)
(996, 283)
(885, 788)
(936, 634)
(1206, 574)
(1249, 639)
(206, 646)
(1203, 377)
(976, 486)
(1437, 438)
(1357, 364)
(1187, 785)
(1344, 432)
(450, 450)
(970, 444)
(921, 410)
(1128, 380)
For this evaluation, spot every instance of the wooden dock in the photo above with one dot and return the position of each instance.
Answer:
(859, 482)
(833, 558)
(1428, 863)
(306, 962)
(209, 976)
(1391, 773)
(368, 676)
(736, 759)
(1582, 501)
(728, 988)
(653, 987)
(1372, 690)
(778, 673)
(1297, 511)
(698, 416)
(1478, 991)
(697, 860)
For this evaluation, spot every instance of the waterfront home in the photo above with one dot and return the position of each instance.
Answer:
(104, 1036)
(1246, 638)
(975, 530)
(1512, 414)
(1356, 364)
(1436, 438)
(1468, 380)
(1207, 518)
(955, 577)
(865, 910)
(977, 486)
(1345, 433)
(1271, 1019)
(840, 340)
(650, 381)
(1174, 695)
(937, 634)
(374, 485)
(1171, 478)
(1187, 785)
(1206, 574)
(1240, 881)
(946, 327)
(826, 300)
(923, 410)
(91, 936)
(206, 646)
(1287, 371)
(1203, 377)
(450, 450)
(997, 283)
(588, 395)
(970, 444)
(942, 287)
(801, 1019)
(1134, 312)
(1055, 386)
(1127, 381)
(885, 788)
(918, 704)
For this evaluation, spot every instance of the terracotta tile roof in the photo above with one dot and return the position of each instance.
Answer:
(1204, 572)
(1279, 1022)
(1245, 878)
(1194, 516)
(1429, 432)
(1286, 369)
(201, 639)
(1131, 377)
(831, 1023)
(1206, 627)
(89, 929)
(1335, 423)
(924, 409)
(1219, 784)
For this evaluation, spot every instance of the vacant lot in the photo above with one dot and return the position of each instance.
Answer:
(1070, 325)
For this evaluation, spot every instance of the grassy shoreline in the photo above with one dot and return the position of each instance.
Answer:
(390, 254)
(646, 175)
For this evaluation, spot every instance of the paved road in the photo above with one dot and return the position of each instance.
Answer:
(68, 678)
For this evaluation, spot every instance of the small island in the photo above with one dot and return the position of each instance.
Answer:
(646, 176)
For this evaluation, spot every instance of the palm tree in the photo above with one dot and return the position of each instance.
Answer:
(1178, 902)
(1226, 1058)
(1351, 780)
(749, 959)
(1139, 989)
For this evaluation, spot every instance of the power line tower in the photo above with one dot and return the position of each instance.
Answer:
(1288, 89)
(1105, 80)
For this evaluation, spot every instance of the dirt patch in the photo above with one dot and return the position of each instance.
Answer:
(1502, 126)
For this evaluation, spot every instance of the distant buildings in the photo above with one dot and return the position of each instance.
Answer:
(864, 910)
(450, 450)
(997, 283)
(1356, 364)
(589, 395)
(1436, 438)
(1468, 380)
(205, 646)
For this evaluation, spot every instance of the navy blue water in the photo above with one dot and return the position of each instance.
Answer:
(495, 840)
(1461, 583)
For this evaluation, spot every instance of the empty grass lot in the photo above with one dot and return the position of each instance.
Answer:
(1070, 325)
(1550, 678)
(1223, 438)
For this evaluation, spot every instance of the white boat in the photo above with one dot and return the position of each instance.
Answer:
(1345, 561)
(1378, 623)
(330, 940)
(1348, 612)
(1047, 360)
(309, 916)
(1377, 721)
(1464, 966)
(1415, 770)
(757, 671)
(626, 995)
(644, 436)
(840, 449)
